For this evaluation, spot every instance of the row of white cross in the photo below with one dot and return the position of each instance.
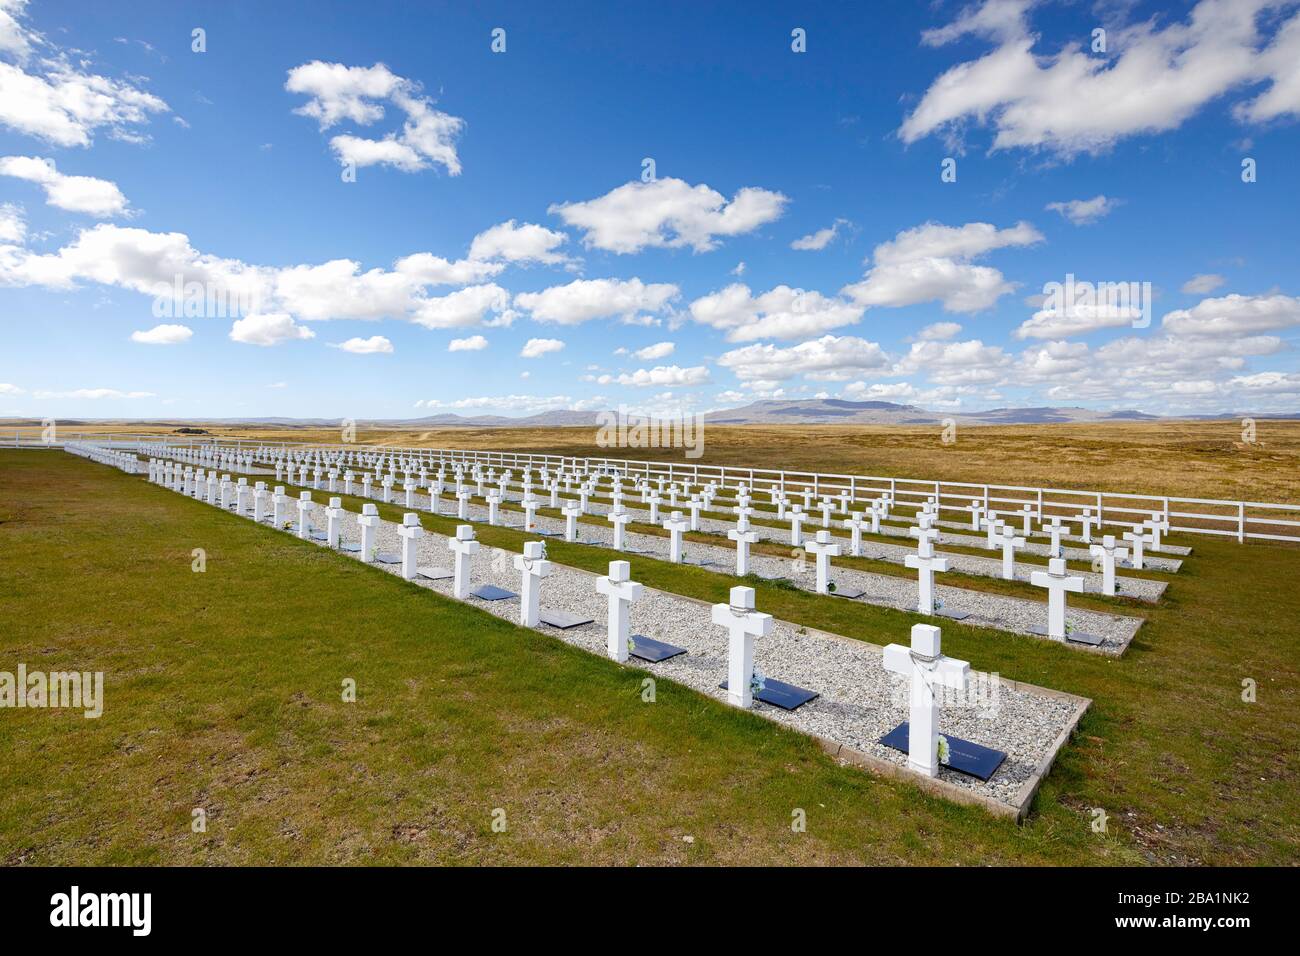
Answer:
(926, 562)
(922, 663)
(319, 461)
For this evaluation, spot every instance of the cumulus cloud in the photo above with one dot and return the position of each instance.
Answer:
(268, 329)
(1078, 319)
(1072, 101)
(86, 194)
(13, 227)
(816, 241)
(1203, 283)
(782, 312)
(1082, 212)
(654, 352)
(955, 363)
(163, 335)
(661, 376)
(526, 242)
(1236, 315)
(536, 348)
(464, 307)
(931, 263)
(46, 94)
(473, 343)
(585, 299)
(376, 344)
(939, 331)
(357, 94)
(668, 213)
(828, 359)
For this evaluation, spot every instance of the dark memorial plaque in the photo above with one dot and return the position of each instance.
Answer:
(780, 694)
(1072, 637)
(387, 557)
(648, 649)
(490, 592)
(562, 619)
(434, 574)
(350, 548)
(973, 759)
(952, 614)
(846, 592)
(318, 535)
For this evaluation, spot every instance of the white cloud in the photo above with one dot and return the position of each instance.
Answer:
(96, 197)
(781, 312)
(465, 307)
(939, 331)
(536, 348)
(1081, 212)
(13, 228)
(820, 239)
(1079, 319)
(878, 391)
(1236, 315)
(268, 329)
(668, 213)
(473, 343)
(585, 299)
(930, 263)
(523, 243)
(661, 376)
(955, 363)
(59, 102)
(376, 344)
(655, 352)
(1072, 101)
(355, 94)
(739, 270)
(7, 389)
(163, 335)
(513, 403)
(1203, 283)
(828, 359)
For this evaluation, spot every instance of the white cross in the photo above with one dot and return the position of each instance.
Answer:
(675, 526)
(369, 521)
(797, 518)
(462, 504)
(411, 532)
(1155, 527)
(1057, 581)
(408, 486)
(1055, 529)
(620, 518)
(926, 564)
(259, 500)
(532, 564)
(991, 525)
(743, 624)
(304, 509)
(742, 517)
(924, 665)
(695, 512)
(333, 515)
(464, 547)
(1027, 515)
(530, 511)
(212, 487)
(1087, 520)
(976, 509)
(571, 510)
(1107, 552)
(387, 482)
(825, 548)
(854, 524)
(494, 504)
(743, 540)
(348, 478)
(621, 591)
(1136, 539)
(781, 504)
(334, 480)
(1009, 541)
(279, 502)
(366, 482)
(435, 496)
(827, 507)
(654, 507)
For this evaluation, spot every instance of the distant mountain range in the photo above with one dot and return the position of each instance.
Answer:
(815, 411)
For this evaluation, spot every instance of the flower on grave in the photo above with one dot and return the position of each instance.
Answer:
(830, 586)
(944, 751)
(757, 681)
(631, 642)
(938, 603)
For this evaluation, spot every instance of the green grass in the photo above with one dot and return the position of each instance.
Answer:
(223, 692)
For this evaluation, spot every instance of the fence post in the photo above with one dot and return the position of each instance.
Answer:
(1241, 522)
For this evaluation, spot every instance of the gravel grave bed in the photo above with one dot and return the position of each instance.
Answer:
(986, 610)
(859, 700)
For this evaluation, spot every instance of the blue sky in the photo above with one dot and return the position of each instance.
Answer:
(373, 184)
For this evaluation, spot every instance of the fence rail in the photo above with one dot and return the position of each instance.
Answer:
(1243, 520)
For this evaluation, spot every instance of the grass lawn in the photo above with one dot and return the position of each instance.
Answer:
(223, 692)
